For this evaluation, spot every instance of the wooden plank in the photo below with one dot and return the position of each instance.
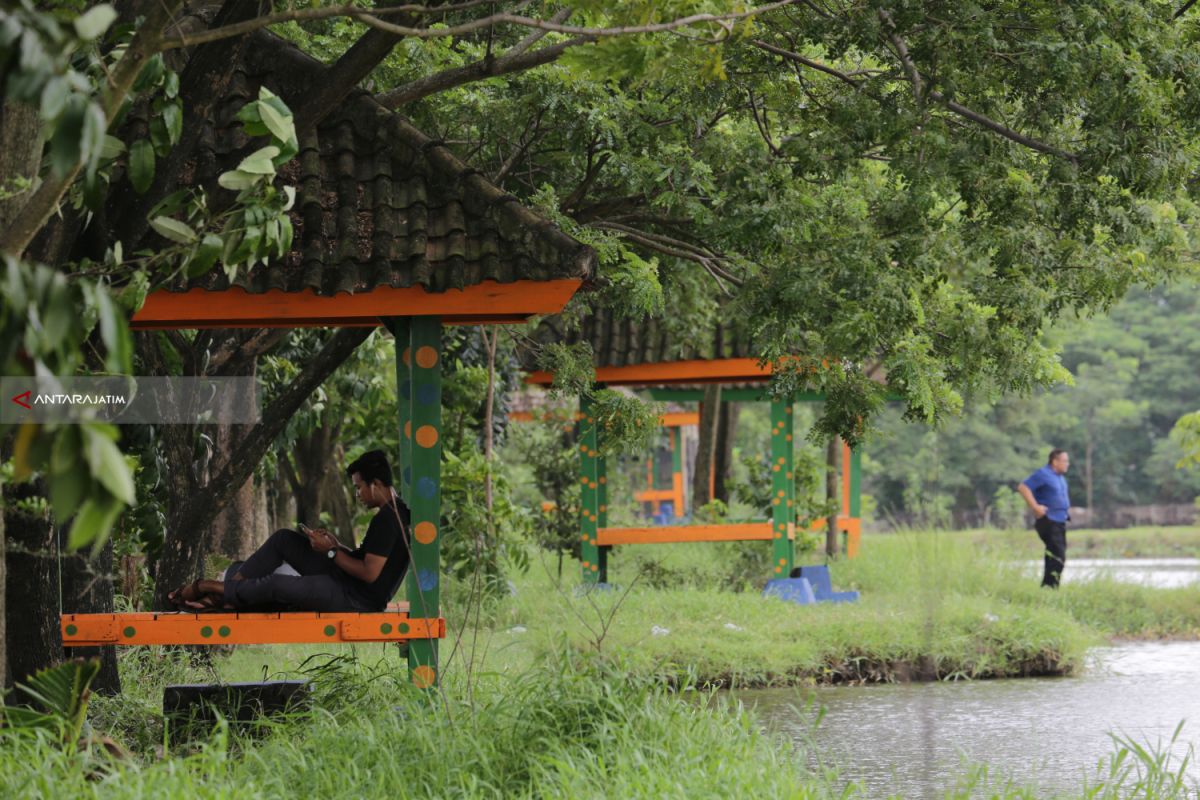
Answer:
(235, 307)
(80, 630)
(716, 370)
(676, 419)
(673, 534)
(654, 495)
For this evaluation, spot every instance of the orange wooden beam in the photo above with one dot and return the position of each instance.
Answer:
(849, 525)
(677, 419)
(673, 534)
(487, 302)
(716, 370)
(79, 630)
(653, 495)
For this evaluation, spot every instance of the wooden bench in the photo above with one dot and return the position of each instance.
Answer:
(289, 627)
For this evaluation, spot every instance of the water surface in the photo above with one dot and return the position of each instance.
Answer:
(913, 739)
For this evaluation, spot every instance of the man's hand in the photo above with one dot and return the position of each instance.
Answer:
(321, 540)
(1039, 510)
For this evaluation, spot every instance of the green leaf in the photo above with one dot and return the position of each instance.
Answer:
(92, 141)
(68, 135)
(172, 116)
(114, 333)
(173, 229)
(107, 464)
(236, 180)
(141, 165)
(95, 22)
(206, 255)
(259, 162)
(281, 127)
(94, 520)
(54, 97)
(112, 147)
(67, 491)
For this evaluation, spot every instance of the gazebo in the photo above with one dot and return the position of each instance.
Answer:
(392, 229)
(648, 354)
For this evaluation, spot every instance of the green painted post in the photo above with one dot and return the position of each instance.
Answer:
(856, 483)
(589, 494)
(401, 329)
(602, 514)
(783, 515)
(677, 471)
(426, 483)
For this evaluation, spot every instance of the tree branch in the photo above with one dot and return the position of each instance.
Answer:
(373, 19)
(957, 108)
(486, 68)
(1183, 9)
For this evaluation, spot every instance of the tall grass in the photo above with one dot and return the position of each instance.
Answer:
(577, 729)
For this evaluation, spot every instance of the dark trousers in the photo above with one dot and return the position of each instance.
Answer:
(1054, 536)
(320, 586)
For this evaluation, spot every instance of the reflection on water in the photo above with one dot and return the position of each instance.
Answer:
(911, 740)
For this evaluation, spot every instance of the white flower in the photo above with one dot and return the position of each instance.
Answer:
(517, 629)
(657, 631)
(732, 627)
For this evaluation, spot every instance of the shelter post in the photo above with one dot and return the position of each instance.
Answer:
(425, 426)
(589, 495)
(783, 514)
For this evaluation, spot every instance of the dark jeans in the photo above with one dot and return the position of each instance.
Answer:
(320, 586)
(1054, 536)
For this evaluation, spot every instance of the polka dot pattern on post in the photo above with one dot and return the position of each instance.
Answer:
(223, 631)
(72, 630)
(427, 357)
(129, 632)
(427, 394)
(403, 628)
(426, 487)
(427, 579)
(330, 630)
(427, 436)
(425, 532)
(423, 677)
(206, 631)
(385, 628)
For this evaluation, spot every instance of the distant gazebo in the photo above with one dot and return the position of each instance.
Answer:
(675, 365)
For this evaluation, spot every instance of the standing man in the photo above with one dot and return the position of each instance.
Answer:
(1045, 491)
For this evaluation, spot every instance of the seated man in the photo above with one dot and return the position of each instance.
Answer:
(331, 577)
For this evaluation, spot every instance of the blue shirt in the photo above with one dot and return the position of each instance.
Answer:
(1050, 490)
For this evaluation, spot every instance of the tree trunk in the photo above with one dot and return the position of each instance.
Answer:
(832, 494)
(3, 603)
(238, 529)
(702, 473)
(87, 588)
(31, 593)
(726, 432)
(1087, 477)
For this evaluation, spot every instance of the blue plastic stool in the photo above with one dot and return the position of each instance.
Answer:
(818, 576)
(792, 590)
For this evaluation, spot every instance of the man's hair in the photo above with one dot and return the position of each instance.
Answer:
(1055, 453)
(371, 466)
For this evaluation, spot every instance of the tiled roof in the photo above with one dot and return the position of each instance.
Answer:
(621, 342)
(379, 203)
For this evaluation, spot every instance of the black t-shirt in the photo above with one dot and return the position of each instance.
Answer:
(385, 537)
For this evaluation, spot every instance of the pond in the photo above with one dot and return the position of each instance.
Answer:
(914, 740)
(1163, 573)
